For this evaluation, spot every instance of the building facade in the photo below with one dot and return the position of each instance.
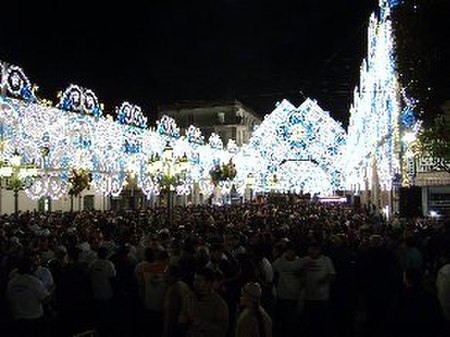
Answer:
(228, 119)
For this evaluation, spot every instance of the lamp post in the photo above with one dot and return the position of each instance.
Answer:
(250, 181)
(17, 176)
(169, 168)
(273, 183)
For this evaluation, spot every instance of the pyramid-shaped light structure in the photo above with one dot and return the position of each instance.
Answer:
(301, 147)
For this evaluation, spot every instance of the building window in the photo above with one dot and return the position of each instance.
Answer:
(88, 202)
(221, 117)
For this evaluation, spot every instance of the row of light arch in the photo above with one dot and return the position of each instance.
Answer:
(301, 148)
(77, 134)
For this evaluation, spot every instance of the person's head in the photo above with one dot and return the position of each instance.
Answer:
(410, 241)
(278, 249)
(314, 250)
(102, 253)
(216, 252)
(203, 281)
(174, 273)
(218, 283)
(412, 278)
(149, 254)
(61, 252)
(290, 253)
(162, 256)
(26, 265)
(250, 295)
(376, 240)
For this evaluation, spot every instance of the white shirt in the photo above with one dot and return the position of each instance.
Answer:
(102, 271)
(45, 276)
(316, 270)
(25, 293)
(443, 289)
(288, 287)
(266, 270)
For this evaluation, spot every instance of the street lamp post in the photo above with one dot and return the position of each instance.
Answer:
(169, 167)
(250, 182)
(17, 176)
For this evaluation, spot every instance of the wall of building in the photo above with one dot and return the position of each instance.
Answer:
(64, 204)
(229, 121)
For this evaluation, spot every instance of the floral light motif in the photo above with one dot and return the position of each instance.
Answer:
(78, 99)
(130, 114)
(17, 83)
(194, 135)
(215, 142)
(168, 127)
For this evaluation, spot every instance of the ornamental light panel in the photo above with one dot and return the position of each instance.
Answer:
(377, 120)
(295, 149)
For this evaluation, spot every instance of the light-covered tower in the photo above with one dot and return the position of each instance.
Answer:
(373, 151)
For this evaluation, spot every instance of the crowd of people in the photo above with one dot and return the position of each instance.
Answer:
(248, 270)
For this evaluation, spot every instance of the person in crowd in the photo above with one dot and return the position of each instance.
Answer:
(253, 320)
(287, 270)
(206, 312)
(380, 280)
(155, 287)
(26, 295)
(414, 259)
(319, 272)
(102, 274)
(43, 273)
(443, 286)
(174, 303)
(265, 276)
(72, 292)
(416, 311)
(242, 241)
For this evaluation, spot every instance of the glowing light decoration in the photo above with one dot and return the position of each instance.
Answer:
(168, 127)
(78, 99)
(48, 185)
(109, 184)
(17, 83)
(301, 146)
(372, 155)
(232, 147)
(287, 138)
(9, 128)
(215, 142)
(131, 114)
(194, 135)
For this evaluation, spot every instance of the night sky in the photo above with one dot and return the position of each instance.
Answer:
(153, 53)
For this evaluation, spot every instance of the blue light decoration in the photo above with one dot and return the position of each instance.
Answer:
(81, 100)
(167, 126)
(380, 112)
(131, 114)
(215, 142)
(194, 135)
(132, 144)
(17, 83)
(408, 116)
(9, 132)
(301, 146)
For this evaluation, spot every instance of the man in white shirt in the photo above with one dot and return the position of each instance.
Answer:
(287, 270)
(103, 273)
(443, 287)
(319, 273)
(26, 295)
